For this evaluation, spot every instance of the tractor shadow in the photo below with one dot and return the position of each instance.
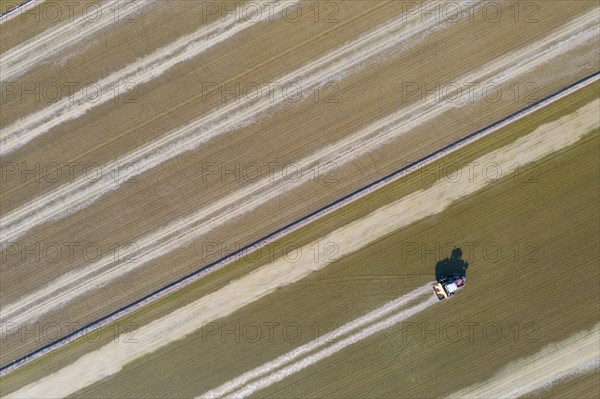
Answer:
(451, 266)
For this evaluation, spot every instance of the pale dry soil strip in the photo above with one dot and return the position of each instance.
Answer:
(575, 355)
(183, 231)
(111, 358)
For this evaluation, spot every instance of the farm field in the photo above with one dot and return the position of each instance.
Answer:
(194, 148)
(372, 276)
(163, 214)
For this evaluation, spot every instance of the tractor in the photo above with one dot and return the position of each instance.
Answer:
(448, 286)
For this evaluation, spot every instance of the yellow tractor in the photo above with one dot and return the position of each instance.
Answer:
(448, 286)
